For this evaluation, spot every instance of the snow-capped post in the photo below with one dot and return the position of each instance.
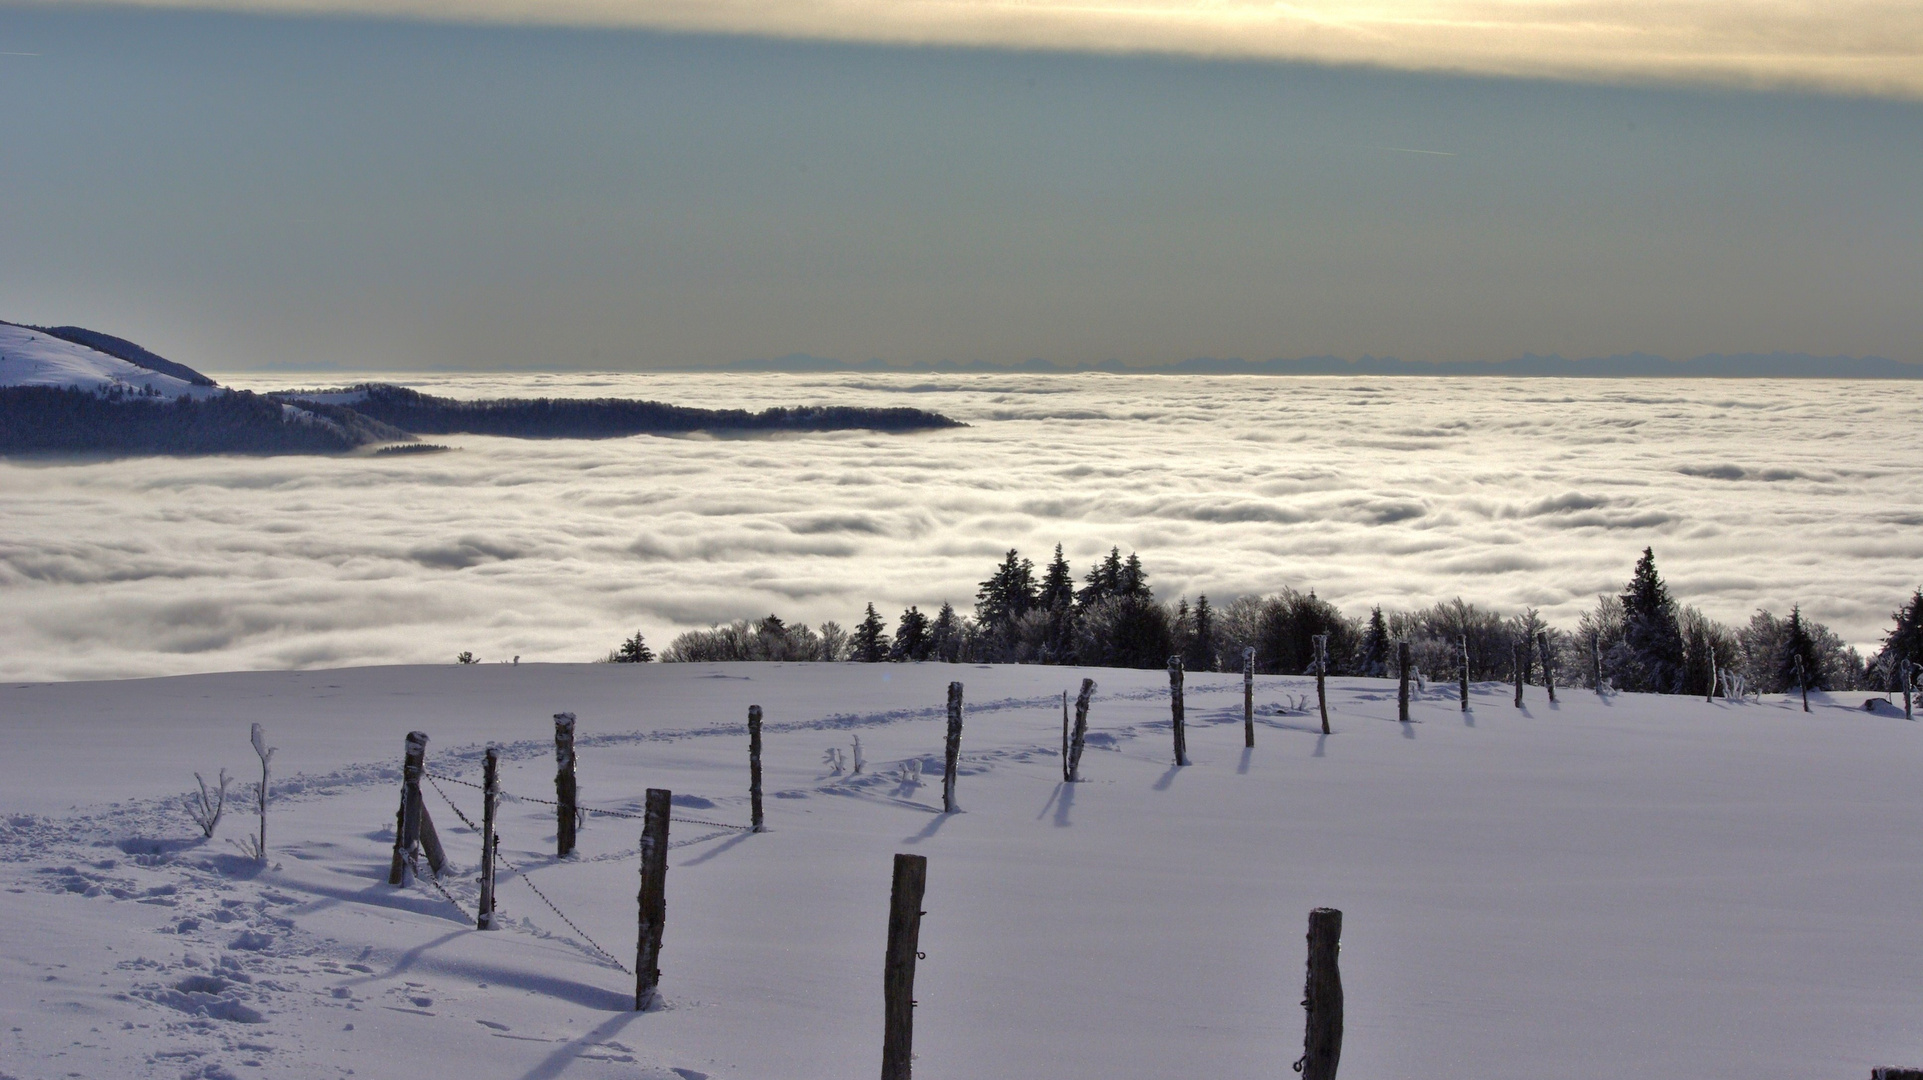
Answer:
(266, 755)
(898, 971)
(653, 900)
(754, 766)
(413, 829)
(1322, 997)
(1709, 696)
(1248, 696)
(1175, 710)
(1462, 676)
(1402, 681)
(1802, 683)
(1909, 682)
(1518, 655)
(1064, 736)
(953, 749)
(1548, 664)
(1080, 738)
(490, 798)
(1321, 676)
(566, 814)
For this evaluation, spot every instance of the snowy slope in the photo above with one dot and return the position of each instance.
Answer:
(1631, 887)
(31, 358)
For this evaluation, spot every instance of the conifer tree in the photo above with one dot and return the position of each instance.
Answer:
(1007, 594)
(911, 636)
(870, 641)
(1199, 655)
(1058, 584)
(944, 636)
(1904, 643)
(1375, 645)
(1134, 579)
(632, 651)
(1801, 664)
(1651, 634)
(1103, 581)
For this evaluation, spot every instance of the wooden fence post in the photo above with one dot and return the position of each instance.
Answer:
(1548, 664)
(1709, 696)
(1462, 682)
(1248, 696)
(1064, 736)
(413, 828)
(566, 813)
(1402, 681)
(1517, 654)
(1175, 706)
(953, 748)
(1322, 997)
(754, 767)
(898, 971)
(1080, 738)
(490, 797)
(653, 900)
(1321, 675)
(1802, 682)
(1909, 683)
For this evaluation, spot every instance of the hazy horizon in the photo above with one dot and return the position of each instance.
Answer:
(451, 190)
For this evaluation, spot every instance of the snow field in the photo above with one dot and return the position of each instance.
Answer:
(1648, 886)
(31, 358)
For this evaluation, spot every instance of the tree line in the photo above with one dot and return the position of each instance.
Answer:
(1640, 639)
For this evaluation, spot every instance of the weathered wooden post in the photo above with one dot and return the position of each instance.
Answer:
(754, 767)
(1518, 655)
(413, 828)
(1596, 658)
(1080, 737)
(1802, 682)
(490, 798)
(1322, 997)
(1248, 696)
(1709, 696)
(1175, 710)
(1548, 664)
(567, 814)
(1909, 683)
(1462, 678)
(953, 748)
(653, 900)
(898, 970)
(1064, 736)
(1402, 681)
(1321, 676)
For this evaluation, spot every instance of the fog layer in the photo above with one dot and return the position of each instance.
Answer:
(1392, 491)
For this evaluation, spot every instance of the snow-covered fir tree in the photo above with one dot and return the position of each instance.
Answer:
(1652, 638)
(869, 643)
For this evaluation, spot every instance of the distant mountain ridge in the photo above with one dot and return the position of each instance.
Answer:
(1779, 365)
(71, 390)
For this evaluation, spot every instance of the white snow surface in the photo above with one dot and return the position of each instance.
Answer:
(31, 358)
(1635, 886)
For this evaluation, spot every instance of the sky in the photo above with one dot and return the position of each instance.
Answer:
(410, 186)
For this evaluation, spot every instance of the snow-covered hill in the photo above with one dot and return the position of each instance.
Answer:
(31, 357)
(1636, 886)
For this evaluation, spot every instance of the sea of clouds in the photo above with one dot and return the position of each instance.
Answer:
(1392, 491)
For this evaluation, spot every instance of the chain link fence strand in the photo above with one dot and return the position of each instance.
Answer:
(433, 780)
(592, 944)
(506, 794)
